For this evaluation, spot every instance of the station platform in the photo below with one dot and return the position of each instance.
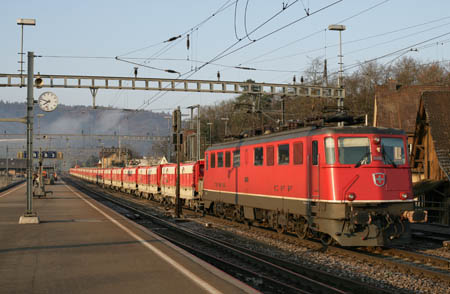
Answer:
(81, 246)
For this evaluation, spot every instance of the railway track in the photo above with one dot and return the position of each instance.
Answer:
(436, 237)
(265, 273)
(2, 189)
(399, 259)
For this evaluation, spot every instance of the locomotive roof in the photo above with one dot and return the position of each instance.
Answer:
(304, 132)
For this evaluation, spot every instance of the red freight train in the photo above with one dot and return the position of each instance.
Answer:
(350, 185)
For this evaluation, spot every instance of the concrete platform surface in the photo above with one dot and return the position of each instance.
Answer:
(81, 246)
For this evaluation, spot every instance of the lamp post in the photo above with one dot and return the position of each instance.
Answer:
(210, 132)
(23, 22)
(339, 28)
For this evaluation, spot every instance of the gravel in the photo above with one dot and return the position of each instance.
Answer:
(363, 271)
(370, 273)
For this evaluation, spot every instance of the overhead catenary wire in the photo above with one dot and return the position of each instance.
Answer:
(315, 33)
(222, 8)
(224, 53)
(359, 40)
(217, 57)
(399, 51)
(154, 98)
(245, 22)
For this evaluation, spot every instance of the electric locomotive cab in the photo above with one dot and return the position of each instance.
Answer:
(369, 172)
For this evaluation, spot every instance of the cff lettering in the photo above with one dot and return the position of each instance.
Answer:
(282, 188)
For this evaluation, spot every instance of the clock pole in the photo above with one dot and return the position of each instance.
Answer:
(30, 217)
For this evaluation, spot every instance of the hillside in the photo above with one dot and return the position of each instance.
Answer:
(85, 120)
(75, 119)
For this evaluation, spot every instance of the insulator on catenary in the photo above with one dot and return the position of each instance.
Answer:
(172, 39)
(187, 42)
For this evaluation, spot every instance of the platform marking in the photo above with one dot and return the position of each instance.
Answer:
(207, 287)
(9, 192)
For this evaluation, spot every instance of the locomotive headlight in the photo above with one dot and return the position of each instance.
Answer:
(403, 196)
(376, 140)
(351, 196)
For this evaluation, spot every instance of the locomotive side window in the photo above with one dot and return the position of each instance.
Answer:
(213, 160)
(298, 153)
(206, 159)
(283, 154)
(315, 153)
(227, 159)
(329, 150)
(259, 158)
(270, 155)
(354, 150)
(236, 158)
(393, 150)
(220, 159)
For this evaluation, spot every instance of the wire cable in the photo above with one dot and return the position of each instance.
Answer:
(222, 8)
(235, 16)
(223, 54)
(315, 33)
(245, 22)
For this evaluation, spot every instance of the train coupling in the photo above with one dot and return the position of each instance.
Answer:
(416, 216)
(361, 218)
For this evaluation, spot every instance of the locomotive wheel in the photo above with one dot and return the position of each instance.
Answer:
(281, 229)
(238, 215)
(301, 228)
(219, 210)
(326, 239)
(167, 204)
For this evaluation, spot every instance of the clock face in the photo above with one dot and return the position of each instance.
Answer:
(48, 101)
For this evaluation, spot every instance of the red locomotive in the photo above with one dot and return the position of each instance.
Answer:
(347, 184)
(350, 185)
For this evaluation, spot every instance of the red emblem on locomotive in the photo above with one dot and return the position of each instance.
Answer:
(379, 179)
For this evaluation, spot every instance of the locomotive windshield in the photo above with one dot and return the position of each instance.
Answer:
(393, 151)
(354, 150)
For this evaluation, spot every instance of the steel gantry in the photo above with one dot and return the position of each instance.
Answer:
(81, 136)
(176, 85)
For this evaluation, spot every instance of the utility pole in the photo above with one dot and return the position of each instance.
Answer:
(30, 216)
(193, 150)
(340, 103)
(7, 170)
(191, 138)
(198, 133)
(23, 22)
(168, 143)
(225, 119)
(210, 132)
(176, 123)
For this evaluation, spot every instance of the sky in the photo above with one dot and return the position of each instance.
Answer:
(85, 37)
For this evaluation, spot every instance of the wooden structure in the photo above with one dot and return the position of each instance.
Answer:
(114, 157)
(430, 155)
(396, 106)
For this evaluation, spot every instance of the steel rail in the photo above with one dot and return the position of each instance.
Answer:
(289, 273)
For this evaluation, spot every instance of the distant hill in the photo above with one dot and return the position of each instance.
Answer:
(85, 120)
(75, 119)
